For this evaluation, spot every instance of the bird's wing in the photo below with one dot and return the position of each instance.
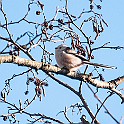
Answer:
(68, 50)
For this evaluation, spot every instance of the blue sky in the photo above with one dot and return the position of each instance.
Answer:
(58, 97)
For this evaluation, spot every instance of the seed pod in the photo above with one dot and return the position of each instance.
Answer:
(91, 7)
(45, 24)
(99, 7)
(51, 27)
(38, 12)
(44, 31)
(24, 46)
(5, 118)
(92, 57)
(60, 21)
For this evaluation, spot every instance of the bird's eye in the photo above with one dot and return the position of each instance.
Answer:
(60, 47)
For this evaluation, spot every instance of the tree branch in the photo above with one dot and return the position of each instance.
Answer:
(111, 85)
(18, 110)
(79, 95)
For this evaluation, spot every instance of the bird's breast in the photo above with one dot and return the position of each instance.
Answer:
(67, 60)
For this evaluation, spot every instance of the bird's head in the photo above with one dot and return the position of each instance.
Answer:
(61, 47)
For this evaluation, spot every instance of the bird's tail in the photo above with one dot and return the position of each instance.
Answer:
(99, 65)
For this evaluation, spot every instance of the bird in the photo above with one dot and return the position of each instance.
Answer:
(69, 59)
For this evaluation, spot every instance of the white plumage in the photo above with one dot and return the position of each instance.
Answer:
(68, 58)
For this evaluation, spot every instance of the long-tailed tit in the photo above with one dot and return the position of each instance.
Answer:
(68, 58)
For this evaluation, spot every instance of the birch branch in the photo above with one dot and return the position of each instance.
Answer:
(111, 85)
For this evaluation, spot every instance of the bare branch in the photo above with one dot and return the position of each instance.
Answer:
(49, 68)
(79, 95)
